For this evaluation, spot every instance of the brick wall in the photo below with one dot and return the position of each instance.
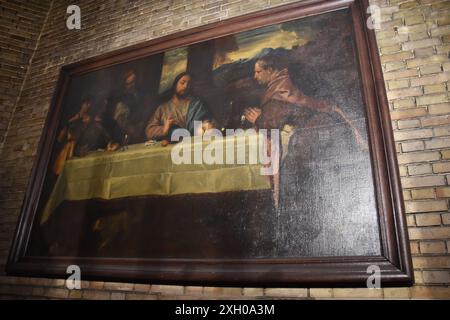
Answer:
(20, 28)
(414, 43)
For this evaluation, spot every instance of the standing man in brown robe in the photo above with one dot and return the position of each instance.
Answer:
(284, 104)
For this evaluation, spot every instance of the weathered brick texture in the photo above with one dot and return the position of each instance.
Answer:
(414, 43)
(20, 27)
(414, 57)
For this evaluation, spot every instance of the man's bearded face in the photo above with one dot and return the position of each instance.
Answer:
(183, 86)
(262, 76)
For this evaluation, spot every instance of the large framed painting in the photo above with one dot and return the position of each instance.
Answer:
(253, 151)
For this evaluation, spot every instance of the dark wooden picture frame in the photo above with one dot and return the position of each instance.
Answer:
(394, 262)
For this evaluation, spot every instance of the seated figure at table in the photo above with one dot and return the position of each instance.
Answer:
(180, 111)
(124, 115)
(83, 133)
(70, 133)
(94, 135)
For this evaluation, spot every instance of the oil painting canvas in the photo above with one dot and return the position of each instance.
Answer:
(110, 194)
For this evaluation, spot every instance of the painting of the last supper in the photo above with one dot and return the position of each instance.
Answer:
(252, 145)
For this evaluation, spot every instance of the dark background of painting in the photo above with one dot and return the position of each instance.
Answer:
(326, 69)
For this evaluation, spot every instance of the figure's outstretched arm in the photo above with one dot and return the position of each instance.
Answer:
(314, 103)
(359, 138)
(326, 107)
(157, 127)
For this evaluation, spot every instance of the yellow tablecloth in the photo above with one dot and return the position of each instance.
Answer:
(148, 170)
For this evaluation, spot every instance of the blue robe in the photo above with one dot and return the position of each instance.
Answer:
(197, 112)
